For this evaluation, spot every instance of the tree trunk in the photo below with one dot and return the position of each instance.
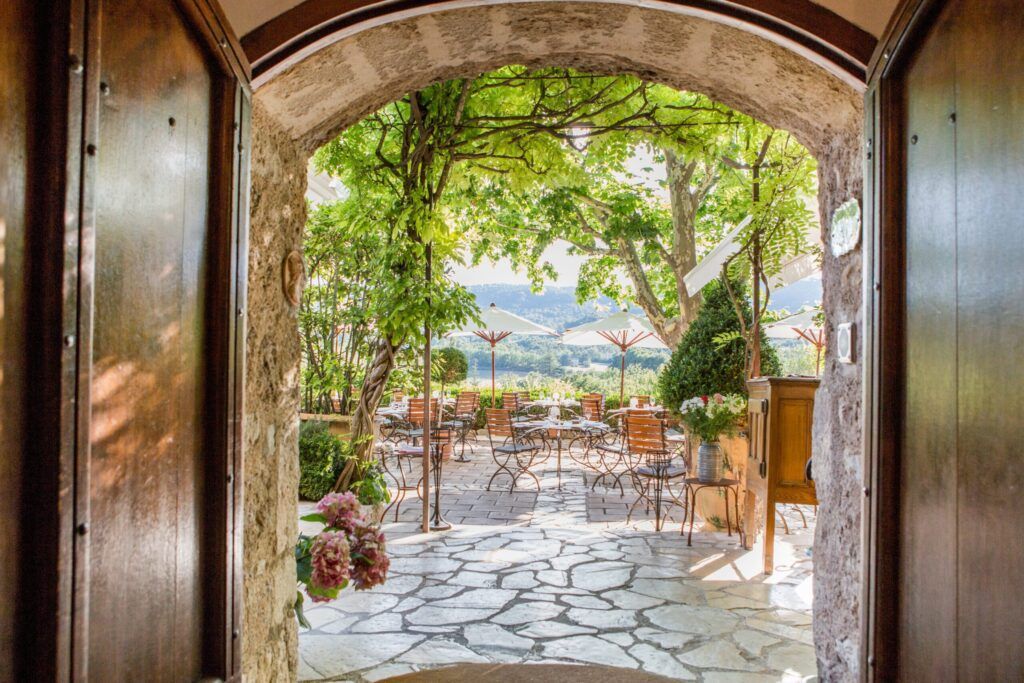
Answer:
(369, 400)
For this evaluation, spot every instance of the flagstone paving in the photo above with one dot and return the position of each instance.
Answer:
(567, 580)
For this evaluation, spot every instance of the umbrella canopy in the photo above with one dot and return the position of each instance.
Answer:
(800, 326)
(498, 324)
(622, 329)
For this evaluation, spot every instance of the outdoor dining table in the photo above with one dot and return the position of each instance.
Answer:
(558, 427)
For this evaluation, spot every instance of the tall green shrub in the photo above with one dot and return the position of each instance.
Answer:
(321, 456)
(702, 364)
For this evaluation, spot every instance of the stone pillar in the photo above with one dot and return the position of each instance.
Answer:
(271, 467)
(837, 435)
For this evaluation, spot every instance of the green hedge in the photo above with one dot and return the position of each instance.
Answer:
(700, 366)
(321, 457)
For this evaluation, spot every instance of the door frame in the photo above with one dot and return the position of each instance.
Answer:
(53, 635)
(884, 339)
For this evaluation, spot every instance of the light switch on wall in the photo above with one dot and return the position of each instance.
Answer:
(844, 343)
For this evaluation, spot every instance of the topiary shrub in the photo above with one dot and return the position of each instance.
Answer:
(449, 365)
(321, 456)
(700, 365)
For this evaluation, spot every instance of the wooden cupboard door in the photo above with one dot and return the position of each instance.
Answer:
(145, 559)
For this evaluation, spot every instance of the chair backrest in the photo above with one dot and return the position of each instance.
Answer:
(590, 408)
(642, 401)
(467, 402)
(524, 398)
(417, 406)
(510, 401)
(499, 422)
(645, 435)
(397, 395)
(599, 397)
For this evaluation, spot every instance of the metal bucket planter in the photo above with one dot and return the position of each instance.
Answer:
(710, 462)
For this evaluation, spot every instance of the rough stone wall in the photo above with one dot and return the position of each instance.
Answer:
(837, 435)
(270, 635)
(307, 104)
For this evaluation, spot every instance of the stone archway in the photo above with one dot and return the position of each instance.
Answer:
(305, 105)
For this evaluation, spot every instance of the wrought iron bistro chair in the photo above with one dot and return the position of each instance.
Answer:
(411, 428)
(441, 437)
(463, 419)
(514, 450)
(645, 437)
(592, 433)
(513, 402)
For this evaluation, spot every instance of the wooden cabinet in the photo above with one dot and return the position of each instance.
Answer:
(781, 412)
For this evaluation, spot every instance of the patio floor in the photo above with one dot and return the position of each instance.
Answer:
(560, 576)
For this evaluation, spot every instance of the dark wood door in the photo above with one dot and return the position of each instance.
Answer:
(16, 105)
(147, 398)
(961, 561)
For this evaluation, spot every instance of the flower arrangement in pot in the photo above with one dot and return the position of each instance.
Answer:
(350, 550)
(709, 417)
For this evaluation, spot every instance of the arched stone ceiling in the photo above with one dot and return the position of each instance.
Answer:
(334, 87)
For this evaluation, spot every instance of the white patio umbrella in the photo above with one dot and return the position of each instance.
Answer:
(800, 326)
(622, 329)
(497, 325)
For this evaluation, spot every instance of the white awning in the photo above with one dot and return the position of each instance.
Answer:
(499, 320)
(622, 328)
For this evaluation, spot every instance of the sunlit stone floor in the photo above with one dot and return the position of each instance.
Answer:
(560, 576)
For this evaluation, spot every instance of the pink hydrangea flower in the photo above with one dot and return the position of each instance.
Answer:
(332, 562)
(719, 398)
(341, 510)
(370, 561)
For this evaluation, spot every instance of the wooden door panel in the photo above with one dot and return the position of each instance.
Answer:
(990, 331)
(16, 50)
(145, 474)
(928, 523)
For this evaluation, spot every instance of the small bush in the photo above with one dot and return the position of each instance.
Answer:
(321, 456)
(700, 366)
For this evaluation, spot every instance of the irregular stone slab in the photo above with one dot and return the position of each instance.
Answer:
(717, 654)
(627, 599)
(474, 579)
(408, 604)
(384, 672)
(553, 577)
(608, 554)
(532, 566)
(599, 576)
(588, 649)
(423, 566)
(364, 602)
(398, 550)
(434, 629)
(400, 584)
(519, 580)
(603, 619)
(524, 613)
(321, 615)
(432, 615)
(341, 625)
(737, 677)
(546, 597)
(487, 567)
(553, 629)
(668, 589)
(623, 639)
(705, 621)
(586, 601)
(491, 543)
(726, 601)
(802, 635)
(538, 550)
(753, 641)
(436, 592)
(439, 651)
(666, 640)
(492, 636)
(772, 595)
(389, 621)
(563, 562)
(788, 617)
(339, 654)
(478, 597)
(793, 658)
(659, 662)
(561, 590)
